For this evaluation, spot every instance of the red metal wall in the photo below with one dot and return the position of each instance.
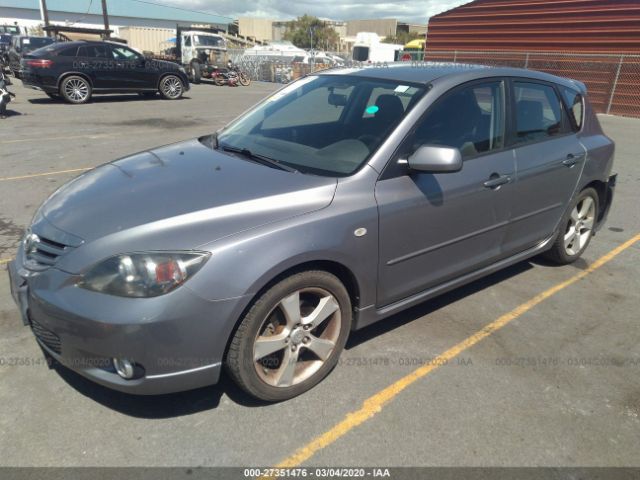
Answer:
(503, 32)
(589, 26)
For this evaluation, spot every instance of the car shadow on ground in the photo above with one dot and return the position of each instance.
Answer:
(12, 113)
(208, 398)
(104, 99)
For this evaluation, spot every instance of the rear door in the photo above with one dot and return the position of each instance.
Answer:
(549, 161)
(438, 226)
(94, 61)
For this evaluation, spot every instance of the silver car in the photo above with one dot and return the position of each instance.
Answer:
(338, 201)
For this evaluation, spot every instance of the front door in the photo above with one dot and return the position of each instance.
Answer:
(131, 70)
(437, 226)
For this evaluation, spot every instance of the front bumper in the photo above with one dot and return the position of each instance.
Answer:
(178, 339)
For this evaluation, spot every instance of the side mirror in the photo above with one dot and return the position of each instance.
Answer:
(436, 158)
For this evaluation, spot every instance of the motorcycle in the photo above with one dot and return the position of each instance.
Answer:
(5, 94)
(231, 76)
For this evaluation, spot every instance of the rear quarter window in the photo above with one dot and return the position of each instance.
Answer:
(575, 106)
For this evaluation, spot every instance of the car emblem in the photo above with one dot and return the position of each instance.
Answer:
(31, 242)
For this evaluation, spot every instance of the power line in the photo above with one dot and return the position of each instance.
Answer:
(178, 8)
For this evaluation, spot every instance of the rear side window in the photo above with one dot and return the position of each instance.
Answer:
(93, 51)
(361, 54)
(68, 52)
(538, 112)
(470, 119)
(575, 106)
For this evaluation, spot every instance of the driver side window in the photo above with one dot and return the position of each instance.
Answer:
(123, 53)
(471, 119)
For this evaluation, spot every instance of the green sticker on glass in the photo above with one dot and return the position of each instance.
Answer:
(371, 109)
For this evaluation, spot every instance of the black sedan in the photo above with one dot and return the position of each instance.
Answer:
(77, 70)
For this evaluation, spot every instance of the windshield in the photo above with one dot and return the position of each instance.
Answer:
(326, 125)
(206, 41)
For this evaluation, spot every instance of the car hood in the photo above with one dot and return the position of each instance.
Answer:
(181, 196)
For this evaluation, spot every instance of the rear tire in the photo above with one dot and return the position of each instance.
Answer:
(171, 87)
(576, 228)
(196, 73)
(76, 90)
(291, 337)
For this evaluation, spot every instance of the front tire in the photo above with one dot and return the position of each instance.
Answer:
(245, 80)
(171, 87)
(75, 90)
(291, 337)
(576, 228)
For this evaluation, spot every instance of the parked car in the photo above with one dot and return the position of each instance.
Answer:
(5, 44)
(342, 199)
(77, 70)
(22, 45)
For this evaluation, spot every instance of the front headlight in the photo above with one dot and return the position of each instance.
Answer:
(143, 274)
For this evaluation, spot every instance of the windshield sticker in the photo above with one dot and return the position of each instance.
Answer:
(371, 109)
(26, 41)
(401, 88)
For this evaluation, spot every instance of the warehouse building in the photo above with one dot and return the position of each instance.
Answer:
(122, 13)
(595, 41)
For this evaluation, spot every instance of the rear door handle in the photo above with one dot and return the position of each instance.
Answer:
(496, 180)
(572, 159)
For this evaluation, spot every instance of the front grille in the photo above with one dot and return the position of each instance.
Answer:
(44, 251)
(47, 337)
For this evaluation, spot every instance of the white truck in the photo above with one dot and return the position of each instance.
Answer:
(202, 52)
(369, 48)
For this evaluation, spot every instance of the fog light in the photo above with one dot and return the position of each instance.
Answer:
(123, 367)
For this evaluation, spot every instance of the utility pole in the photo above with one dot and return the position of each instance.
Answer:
(44, 14)
(105, 18)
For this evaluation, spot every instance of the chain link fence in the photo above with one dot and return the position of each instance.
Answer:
(281, 66)
(613, 81)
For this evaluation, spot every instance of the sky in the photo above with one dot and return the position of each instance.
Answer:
(408, 11)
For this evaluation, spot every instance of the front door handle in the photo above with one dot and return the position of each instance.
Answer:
(572, 159)
(495, 180)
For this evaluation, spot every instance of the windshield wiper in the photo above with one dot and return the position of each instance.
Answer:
(270, 162)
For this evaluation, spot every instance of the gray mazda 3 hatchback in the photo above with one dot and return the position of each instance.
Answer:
(339, 200)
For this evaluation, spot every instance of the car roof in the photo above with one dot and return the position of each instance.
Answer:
(455, 73)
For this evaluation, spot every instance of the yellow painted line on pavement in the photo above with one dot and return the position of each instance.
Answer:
(45, 174)
(90, 136)
(5, 260)
(374, 404)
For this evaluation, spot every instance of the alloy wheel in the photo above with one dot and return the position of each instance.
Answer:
(172, 87)
(297, 337)
(580, 226)
(76, 90)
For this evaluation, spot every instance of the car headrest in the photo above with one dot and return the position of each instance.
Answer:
(389, 108)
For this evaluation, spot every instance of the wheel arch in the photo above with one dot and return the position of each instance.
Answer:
(166, 74)
(66, 75)
(338, 269)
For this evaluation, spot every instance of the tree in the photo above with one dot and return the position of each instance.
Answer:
(307, 28)
(403, 38)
